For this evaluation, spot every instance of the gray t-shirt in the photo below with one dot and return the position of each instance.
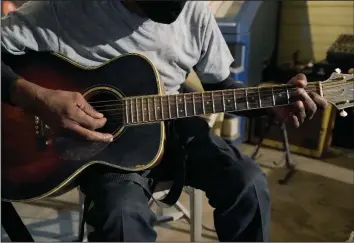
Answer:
(92, 32)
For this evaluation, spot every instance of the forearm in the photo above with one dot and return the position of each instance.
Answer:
(230, 83)
(8, 81)
(15, 90)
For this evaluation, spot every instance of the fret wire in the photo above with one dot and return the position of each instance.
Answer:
(155, 110)
(223, 100)
(212, 101)
(246, 97)
(203, 103)
(161, 107)
(273, 98)
(287, 94)
(126, 111)
(235, 100)
(185, 105)
(259, 98)
(169, 107)
(131, 111)
(149, 113)
(217, 102)
(142, 108)
(177, 106)
(137, 109)
(193, 100)
(321, 89)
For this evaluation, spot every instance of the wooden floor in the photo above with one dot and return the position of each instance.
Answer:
(316, 205)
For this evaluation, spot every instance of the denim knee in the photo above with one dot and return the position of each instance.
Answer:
(254, 182)
(243, 210)
(121, 216)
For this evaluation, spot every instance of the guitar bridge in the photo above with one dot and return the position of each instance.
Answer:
(40, 134)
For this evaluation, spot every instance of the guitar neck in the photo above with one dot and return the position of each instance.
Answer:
(153, 108)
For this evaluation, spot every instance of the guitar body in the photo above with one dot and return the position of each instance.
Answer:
(35, 165)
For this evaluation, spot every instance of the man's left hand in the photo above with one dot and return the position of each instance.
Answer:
(305, 106)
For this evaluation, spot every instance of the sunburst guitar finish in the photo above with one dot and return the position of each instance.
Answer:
(36, 164)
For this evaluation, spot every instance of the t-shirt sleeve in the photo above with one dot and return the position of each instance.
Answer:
(33, 26)
(216, 59)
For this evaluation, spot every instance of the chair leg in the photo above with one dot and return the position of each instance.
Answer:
(193, 215)
(82, 211)
(165, 215)
(196, 212)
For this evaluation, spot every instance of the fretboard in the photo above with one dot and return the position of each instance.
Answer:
(146, 109)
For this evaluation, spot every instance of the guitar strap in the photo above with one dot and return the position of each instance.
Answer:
(176, 162)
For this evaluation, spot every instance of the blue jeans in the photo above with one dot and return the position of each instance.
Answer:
(234, 185)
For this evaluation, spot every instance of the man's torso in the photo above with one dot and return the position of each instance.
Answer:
(93, 32)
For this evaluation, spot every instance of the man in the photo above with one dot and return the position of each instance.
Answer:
(176, 36)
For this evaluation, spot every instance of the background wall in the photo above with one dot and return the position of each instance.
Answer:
(312, 26)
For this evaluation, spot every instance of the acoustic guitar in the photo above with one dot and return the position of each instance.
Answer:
(37, 163)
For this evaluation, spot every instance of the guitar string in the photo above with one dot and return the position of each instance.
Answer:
(153, 112)
(189, 99)
(197, 97)
(251, 97)
(116, 118)
(242, 91)
(148, 114)
(237, 91)
(136, 119)
(217, 105)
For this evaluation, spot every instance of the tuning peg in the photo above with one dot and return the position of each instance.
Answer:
(343, 113)
(351, 71)
(337, 70)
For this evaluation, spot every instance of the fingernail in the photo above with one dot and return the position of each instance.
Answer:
(108, 137)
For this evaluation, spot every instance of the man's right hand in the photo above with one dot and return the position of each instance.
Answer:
(62, 111)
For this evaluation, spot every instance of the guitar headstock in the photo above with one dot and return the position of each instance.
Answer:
(338, 90)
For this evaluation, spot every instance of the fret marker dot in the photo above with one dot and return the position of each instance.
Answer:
(180, 100)
(207, 102)
(229, 101)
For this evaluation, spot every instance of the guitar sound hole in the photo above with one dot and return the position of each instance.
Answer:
(111, 105)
